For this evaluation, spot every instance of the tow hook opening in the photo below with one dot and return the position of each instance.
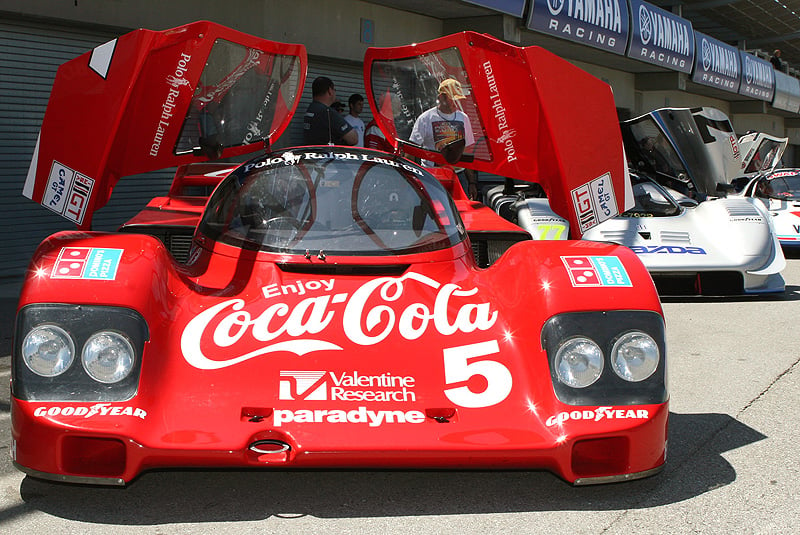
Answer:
(269, 447)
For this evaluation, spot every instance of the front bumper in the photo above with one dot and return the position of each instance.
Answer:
(580, 452)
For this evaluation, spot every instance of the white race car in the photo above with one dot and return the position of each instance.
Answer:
(692, 237)
(780, 193)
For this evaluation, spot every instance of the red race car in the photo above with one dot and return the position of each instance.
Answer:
(331, 306)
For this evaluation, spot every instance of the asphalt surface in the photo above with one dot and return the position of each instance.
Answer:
(732, 465)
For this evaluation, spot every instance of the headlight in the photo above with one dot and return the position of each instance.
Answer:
(48, 350)
(107, 357)
(579, 362)
(634, 356)
(584, 347)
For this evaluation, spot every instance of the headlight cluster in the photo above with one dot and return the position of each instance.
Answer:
(607, 357)
(72, 352)
(580, 361)
(107, 356)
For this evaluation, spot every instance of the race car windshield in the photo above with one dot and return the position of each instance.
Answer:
(654, 149)
(342, 203)
(242, 98)
(782, 185)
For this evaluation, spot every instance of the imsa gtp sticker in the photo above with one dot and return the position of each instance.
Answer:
(68, 192)
(595, 202)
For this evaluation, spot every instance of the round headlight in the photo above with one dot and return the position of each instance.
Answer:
(579, 362)
(48, 350)
(635, 356)
(107, 357)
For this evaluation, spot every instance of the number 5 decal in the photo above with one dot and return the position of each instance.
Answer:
(458, 369)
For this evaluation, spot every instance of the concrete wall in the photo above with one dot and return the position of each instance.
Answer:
(330, 28)
(769, 124)
(622, 83)
(651, 100)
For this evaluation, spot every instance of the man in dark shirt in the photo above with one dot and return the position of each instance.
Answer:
(322, 125)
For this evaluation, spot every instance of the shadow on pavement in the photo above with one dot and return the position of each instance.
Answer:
(695, 466)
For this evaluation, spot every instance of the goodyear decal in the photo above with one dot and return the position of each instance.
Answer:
(87, 263)
(596, 271)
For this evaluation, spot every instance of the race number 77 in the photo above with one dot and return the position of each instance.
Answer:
(460, 365)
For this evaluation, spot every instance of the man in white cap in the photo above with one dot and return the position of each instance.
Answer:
(444, 124)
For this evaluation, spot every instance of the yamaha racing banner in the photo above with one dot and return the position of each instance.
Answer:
(716, 64)
(660, 38)
(510, 7)
(758, 77)
(602, 24)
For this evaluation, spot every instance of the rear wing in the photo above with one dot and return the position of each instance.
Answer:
(531, 116)
(151, 100)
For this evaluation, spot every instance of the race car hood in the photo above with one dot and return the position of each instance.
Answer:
(528, 112)
(156, 99)
(696, 146)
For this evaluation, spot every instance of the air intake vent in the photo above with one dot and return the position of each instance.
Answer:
(741, 208)
(616, 236)
(675, 237)
(179, 245)
(488, 247)
(345, 269)
(177, 240)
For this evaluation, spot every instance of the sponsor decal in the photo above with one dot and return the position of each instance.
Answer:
(666, 249)
(175, 82)
(597, 415)
(661, 38)
(361, 415)
(596, 271)
(747, 219)
(98, 409)
(758, 77)
(289, 158)
(718, 64)
(506, 137)
(68, 192)
(352, 386)
(86, 263)
(550, 232)
(595, 202)
(735, 147)
(599, 23)
(365, 317)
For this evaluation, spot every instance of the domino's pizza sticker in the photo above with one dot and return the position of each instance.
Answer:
(594, 271)
(68, 192)
(595, 202)
(92, 263)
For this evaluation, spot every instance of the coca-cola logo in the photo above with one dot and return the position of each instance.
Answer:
(226, 333)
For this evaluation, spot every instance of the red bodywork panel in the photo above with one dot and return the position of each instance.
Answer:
(251, 354)
(528, 111)
(120, 110)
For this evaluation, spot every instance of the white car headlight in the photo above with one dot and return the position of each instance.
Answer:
(107, 357)
(579, 362)
(48, 350)
(635, 356)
